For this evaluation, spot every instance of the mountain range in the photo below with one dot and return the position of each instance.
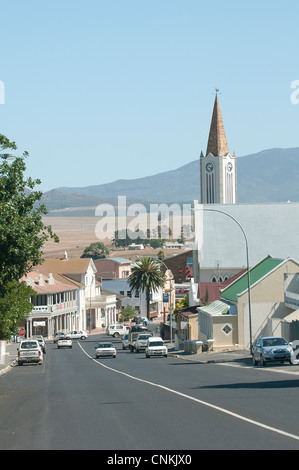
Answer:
(264, 177)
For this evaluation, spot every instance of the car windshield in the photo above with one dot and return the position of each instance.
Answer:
(156, 343)
(105, 345)
(29, 345)
(274, 342)
(144, 336)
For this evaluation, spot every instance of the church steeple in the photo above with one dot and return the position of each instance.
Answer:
(217, 143)
(218, 177)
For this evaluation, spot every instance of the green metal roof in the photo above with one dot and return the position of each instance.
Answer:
(256, 273)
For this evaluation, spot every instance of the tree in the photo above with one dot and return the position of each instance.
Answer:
(182, 303)
(127, 313)
(22, 235)
(147, 276)
(95, 250)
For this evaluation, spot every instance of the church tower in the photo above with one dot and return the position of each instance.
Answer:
(218, 177)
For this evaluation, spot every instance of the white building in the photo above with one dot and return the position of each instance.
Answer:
(68, 297)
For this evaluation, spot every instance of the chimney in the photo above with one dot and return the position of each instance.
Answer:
(40, 280)
(51, 280)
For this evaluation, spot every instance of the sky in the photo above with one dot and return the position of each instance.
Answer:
(99, 90)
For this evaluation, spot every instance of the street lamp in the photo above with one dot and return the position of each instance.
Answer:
(248, 268)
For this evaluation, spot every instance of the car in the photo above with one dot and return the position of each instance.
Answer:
(77, 334)
(64, 342)
(105, 349)
(57, 335)
(30, 351)
(125, 341)
(272, 349)
(117, 329)
(155, 347)
(140, 342)
(41, 341)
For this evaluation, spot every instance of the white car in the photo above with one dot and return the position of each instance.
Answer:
(117, 329)
(64, 342)
(30, 351)
(155, 347)
(77, 334)
(105, 349)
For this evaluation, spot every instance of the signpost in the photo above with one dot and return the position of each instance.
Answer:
(21, 331)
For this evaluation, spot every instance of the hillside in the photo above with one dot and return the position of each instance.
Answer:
(268, 176)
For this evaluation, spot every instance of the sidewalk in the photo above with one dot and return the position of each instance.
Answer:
(9, 359)
(240, 356)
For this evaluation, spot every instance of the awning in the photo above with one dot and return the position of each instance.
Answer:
(294, 316)
(215, 308)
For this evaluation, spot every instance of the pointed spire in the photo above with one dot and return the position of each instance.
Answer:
(217, 143)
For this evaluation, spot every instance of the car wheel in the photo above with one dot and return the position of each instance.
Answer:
(147, 356)
(116, 335)
(254, 361)
(83, 337)
(262, 361)
(114, 356)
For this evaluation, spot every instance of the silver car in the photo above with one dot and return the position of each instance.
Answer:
(272, 349)
(125, 342)
(105, 349)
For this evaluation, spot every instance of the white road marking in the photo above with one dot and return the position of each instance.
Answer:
(201, 402)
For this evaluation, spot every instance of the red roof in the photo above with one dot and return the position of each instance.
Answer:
(210, 291)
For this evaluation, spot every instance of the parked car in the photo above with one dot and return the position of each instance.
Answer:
(64, 342)
(117, 329)
(155, 347)
(272, 349)
(125, 341)
(30, 351)
(41, 341)
(105, 349)
(77, 334)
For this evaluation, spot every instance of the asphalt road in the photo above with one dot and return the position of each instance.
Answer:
(74, 401)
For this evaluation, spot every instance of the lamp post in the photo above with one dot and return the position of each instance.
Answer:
(248, 268)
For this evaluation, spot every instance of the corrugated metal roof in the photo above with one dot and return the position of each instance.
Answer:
(215, 308)
(257, 272)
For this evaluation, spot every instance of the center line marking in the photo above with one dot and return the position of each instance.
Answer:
(197, 400)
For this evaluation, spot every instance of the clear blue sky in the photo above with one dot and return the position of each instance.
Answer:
(99, 90)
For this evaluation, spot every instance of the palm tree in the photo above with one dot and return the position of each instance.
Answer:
(146, 275)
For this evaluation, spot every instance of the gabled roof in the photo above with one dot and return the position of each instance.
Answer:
(40, 283)
(217, 143)
(67, 271)
(210, 291)
(257, 272)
